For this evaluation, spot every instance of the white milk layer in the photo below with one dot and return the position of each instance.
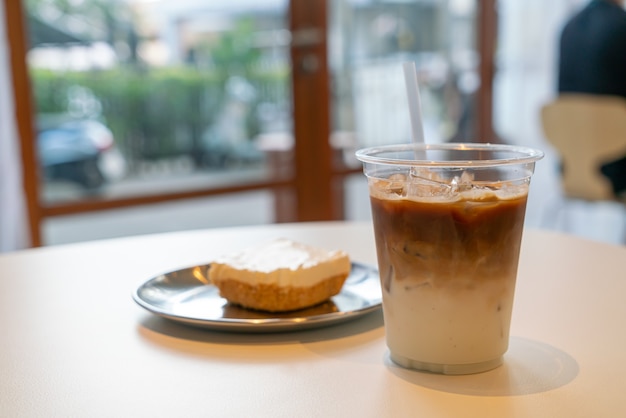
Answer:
(451, 324)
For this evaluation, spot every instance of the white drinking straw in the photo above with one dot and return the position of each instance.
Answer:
(415, 107)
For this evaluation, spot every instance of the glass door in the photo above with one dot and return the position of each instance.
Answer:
(138, 97)
(368, 43)
(142, 102)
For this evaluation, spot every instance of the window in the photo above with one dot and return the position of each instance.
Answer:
(137, 102)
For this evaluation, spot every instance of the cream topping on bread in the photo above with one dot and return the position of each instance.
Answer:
(281, 262)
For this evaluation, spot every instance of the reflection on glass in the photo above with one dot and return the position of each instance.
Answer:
(137, 97)
(369, 41)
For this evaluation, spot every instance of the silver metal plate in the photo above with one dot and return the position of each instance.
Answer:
(187, 296)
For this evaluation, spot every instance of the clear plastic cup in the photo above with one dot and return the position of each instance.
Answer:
(448, 221)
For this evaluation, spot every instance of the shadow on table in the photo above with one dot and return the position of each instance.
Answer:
(177, 330)
(529, 367)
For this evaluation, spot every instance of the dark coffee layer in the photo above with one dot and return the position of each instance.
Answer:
(452, 243)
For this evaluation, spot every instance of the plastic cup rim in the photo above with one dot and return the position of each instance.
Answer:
(525, 155)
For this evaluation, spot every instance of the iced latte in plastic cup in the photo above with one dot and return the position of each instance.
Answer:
(448, 223)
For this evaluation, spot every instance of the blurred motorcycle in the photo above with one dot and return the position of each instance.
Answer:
(81, 151)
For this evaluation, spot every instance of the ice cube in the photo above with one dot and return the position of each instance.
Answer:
(425, 183)
(396, 183)
(393, 185)
(463, 183)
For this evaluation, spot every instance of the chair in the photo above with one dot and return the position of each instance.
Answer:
(586, 131)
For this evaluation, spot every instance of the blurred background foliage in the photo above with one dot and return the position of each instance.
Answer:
(154, 113)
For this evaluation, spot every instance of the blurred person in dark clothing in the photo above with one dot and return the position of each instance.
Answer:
(592, 60)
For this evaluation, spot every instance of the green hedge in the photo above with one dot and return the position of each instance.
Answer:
(153, 114)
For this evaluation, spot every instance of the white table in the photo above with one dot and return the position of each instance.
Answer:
(74, 344)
